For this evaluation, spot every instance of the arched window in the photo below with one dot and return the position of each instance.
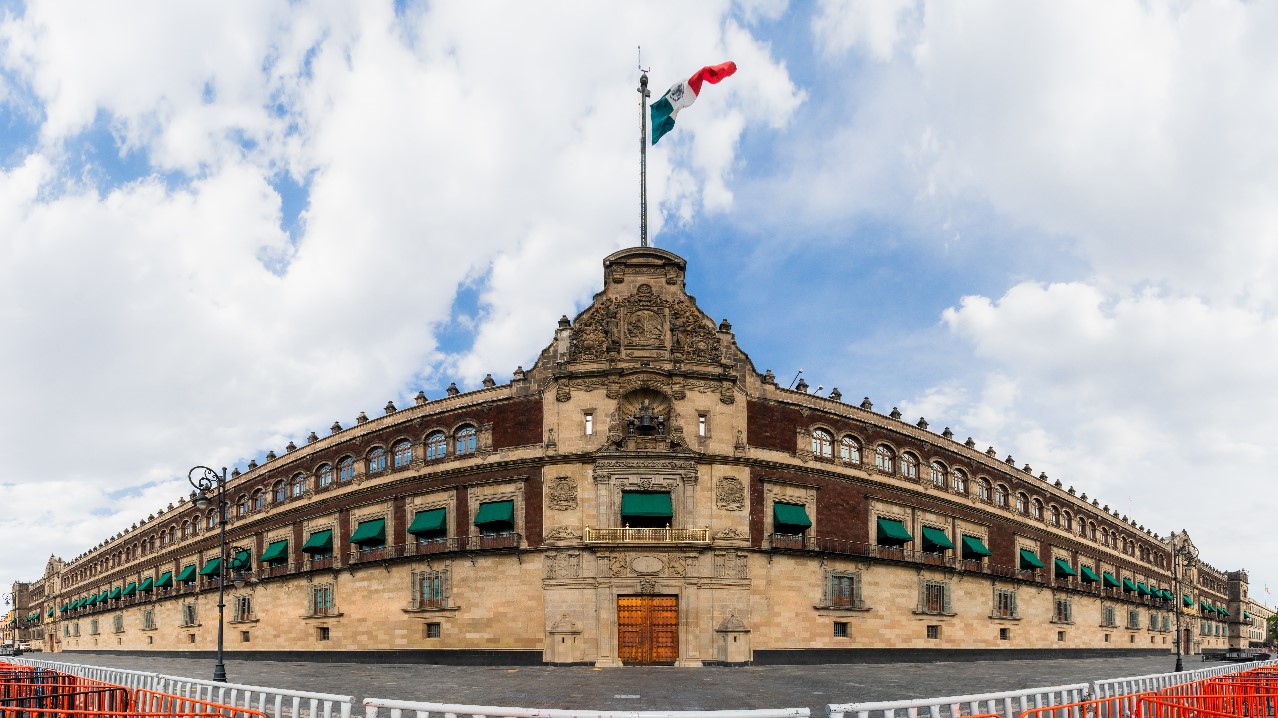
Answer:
(465, 440)
(1000, 496)
(884, 458)
(345, 470)
(163, 542)
(1022, 502)
(822, 444)
(298, 485)
(849, 450)
(1036, 509)
(277, 492)
(152, 546)
(186, 529)
(403, 453)
(1091, 529)
(1054, 515)
(376, 460)
(1068, 521)
(242, 506)
(323, 476)
(1082, 527)
(172, 534)
(938, 474)
(958, 481)
(259, 500)
(1104, 536)
(211, 521)
(983, 491)
(436, 446)
(909, 465)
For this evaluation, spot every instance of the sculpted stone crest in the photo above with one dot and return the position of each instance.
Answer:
(562, 493)
(729, 494)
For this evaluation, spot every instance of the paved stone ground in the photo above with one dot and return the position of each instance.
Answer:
(653, 688)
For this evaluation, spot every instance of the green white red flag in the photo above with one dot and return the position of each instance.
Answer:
(682, 94)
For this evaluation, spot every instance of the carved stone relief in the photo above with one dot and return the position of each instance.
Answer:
(562, 534)
(647, 586)
(642, 322)
(729, 494)
(730, 564)
(562, 493)
(563, 565)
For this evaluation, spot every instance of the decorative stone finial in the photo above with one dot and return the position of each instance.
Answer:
(867, 404)
(291, 447)
(489, 382)
(835, 394)
(252, 464)
(1010, 461)
(725, 326)
(270, 455)
(948, 434)
(362, 418)
(922, 423)
(970, 443)
(1026, 468)
(564, 322)
(1095, 502)
(895, 413)
(1106, 508)
(336, 427)
(389, 408)
(452, 389)
(420, 398)
(1071, 491)
(769, 377)
(991, 452)
(801, 386)
(235, 472)
(1058, 483)
(520, 374)
(312, 438)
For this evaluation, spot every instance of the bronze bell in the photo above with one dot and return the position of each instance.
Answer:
(646, 424)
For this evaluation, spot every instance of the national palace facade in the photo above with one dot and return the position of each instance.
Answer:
(640, 495)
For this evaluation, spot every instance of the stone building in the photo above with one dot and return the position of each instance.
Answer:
(642, 494)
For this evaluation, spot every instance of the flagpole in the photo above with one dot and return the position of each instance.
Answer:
(643, 160)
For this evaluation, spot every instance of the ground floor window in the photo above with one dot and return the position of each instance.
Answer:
(430, 589)
(934, 597)
(1005, 603)
(321, 600)
(934, 632)
(243, 608)
(1064, 611)
(148, 619)
(840, 629)
(433, 630)
(843, 589)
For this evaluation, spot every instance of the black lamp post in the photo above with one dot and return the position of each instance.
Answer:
(1183, 558)
(204, 484)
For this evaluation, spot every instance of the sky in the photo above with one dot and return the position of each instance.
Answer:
(1052, 227)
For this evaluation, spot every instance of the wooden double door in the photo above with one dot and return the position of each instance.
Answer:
(648, 630)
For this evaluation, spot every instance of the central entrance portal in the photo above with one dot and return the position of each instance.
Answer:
(648, 630)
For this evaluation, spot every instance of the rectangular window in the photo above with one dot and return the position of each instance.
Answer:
(430, 589)
(1166, 623)
(323, 633)
(243, 608)
(701, 425)
(1004, 634)
(934, 597)
(1005, 603)
(843, 589)
(934, 632)
(148, 619)
(93, 627)
(322, 600)
(590, 423)
(840, 629)
(1133, 619)
(190, 638)
(1153, 622)
(1107, 617)
(188, 614)
(117, 623)
(433, 630)
(66, 631)
(75, 629)
(1060, 635)
(244, 636)
(1064, 611)
(1107, 638)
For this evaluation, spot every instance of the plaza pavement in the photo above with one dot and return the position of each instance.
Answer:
(651, 688)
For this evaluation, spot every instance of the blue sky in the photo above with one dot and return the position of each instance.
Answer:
(1051, 228)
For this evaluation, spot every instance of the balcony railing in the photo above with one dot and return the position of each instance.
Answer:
(483, 542)
(636, 535)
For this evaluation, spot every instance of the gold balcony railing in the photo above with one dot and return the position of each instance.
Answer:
(629, 535)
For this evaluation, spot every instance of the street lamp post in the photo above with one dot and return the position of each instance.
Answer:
(204, 484)
(1182, 559)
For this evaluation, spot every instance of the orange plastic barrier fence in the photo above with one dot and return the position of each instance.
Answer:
(27, 692)
(1249, 694)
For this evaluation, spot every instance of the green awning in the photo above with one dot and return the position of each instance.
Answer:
(429, 522)
(644, 504)
(1204, 605)
(893, 532)
(1128, 586)
(1063, 568)
(130, 589)
(1224, 612)
(147, 584)
(187, 574)
(495, 512)
(935, 540)
(373, 531)
(1189, 602)
(974, 548)
(102, 596)
(1089, 576)
(1108, 580)
(790, 518)
(241, 561)
(1030, 560)
(319, 542)
(276, 552)
(166, 579)
(65, 608)
(115, 593)
(1143, 590)
(1246, 616)
(50, 614)
(211, 567)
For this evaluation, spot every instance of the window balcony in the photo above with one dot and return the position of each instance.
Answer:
(646, 536)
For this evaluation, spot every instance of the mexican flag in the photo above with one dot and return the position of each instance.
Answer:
(682, 94)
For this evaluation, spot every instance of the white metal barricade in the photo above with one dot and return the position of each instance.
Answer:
(1008, 704)
(396, 709)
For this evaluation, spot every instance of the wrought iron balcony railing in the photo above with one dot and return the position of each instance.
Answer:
(635, 535)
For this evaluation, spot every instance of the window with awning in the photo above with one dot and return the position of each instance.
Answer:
(1088, 575)
(370, 533)
(1143, 590)
(130, 589)
(1108, 580)
(148, 584)
(641, 504)
(1189, 602)
(974, 549)
(935, 540)
(1030, 560)
(790, 519)
(432, 523)
(275, 553)
(496, 516)
(115, 593)
(892, 532)
(1063, 569)
(1128, 586)
(188, 573)
(102, 596)
(211, 567)
(166, 579)
(320, 542)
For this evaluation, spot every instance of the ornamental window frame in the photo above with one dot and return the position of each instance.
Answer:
(938, 472)
(242, 505)
(436, 445)
(346, 469)
(465, 439)
(1001, 496)
(849, 449)
(242, 605)
(822, 443)
(909, 465)
(1004, 604)
(377, 460)
(323, 476)
(1109, 618)
(984, 490)
(1036, 509)
(297, 485)
(1063, 611)
(279, 492)
(935, 598)
(884, 458)
(430, 589)
(1054, 516)
(959, 483)
(321, 600)
(1022, 503)
(843, 590)
(257, 500)
(401, 454)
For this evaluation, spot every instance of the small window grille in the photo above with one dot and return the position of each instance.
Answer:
(1004, 634)
(840, 629)
(1005, 603)
(323, 633)
(433, 630)
(934, 632)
